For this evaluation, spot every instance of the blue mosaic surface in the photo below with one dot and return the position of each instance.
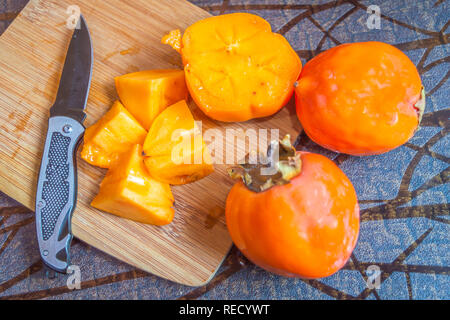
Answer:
(404, 194)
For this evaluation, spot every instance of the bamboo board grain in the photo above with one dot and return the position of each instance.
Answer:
(126, 37)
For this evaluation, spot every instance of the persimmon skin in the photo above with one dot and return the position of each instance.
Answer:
(307, 228)
(236, 68)
(359, 98)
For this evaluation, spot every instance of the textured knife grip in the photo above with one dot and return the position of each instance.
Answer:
(56, 191)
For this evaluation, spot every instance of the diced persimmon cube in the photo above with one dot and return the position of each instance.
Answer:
(147, 93)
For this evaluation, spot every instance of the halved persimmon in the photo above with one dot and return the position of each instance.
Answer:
(236, 68)
(174, 149)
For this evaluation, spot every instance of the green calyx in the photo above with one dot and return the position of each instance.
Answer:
(278, 167)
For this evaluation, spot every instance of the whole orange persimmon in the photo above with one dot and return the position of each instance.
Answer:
(360, 99)
(302, 221)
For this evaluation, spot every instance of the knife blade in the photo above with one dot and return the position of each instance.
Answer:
(57, 182)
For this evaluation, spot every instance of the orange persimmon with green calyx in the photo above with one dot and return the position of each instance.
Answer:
(301, 220)
(130, 192)
(146, 93)
(174, 149)
(236, 68)
(360, 98)
(113, 134)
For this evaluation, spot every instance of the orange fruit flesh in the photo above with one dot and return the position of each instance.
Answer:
(130, 192)
(236, 68)
(146, 93)
(174, 149)
(113, 134)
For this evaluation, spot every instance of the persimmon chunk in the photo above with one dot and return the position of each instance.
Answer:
(236, 68)
(113, 134)
(174, 149)
(146, 93)
(128, 191)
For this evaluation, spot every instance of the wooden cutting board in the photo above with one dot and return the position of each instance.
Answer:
(126, 37)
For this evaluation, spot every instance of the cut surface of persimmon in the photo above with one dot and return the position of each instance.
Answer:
(174, 149)
(114, 133)
(146, 93)
(128, 191)
(236, 68)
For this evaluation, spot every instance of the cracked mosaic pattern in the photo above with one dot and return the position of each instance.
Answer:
(404, 195)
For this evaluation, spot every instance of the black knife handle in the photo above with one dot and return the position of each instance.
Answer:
(57, 191)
